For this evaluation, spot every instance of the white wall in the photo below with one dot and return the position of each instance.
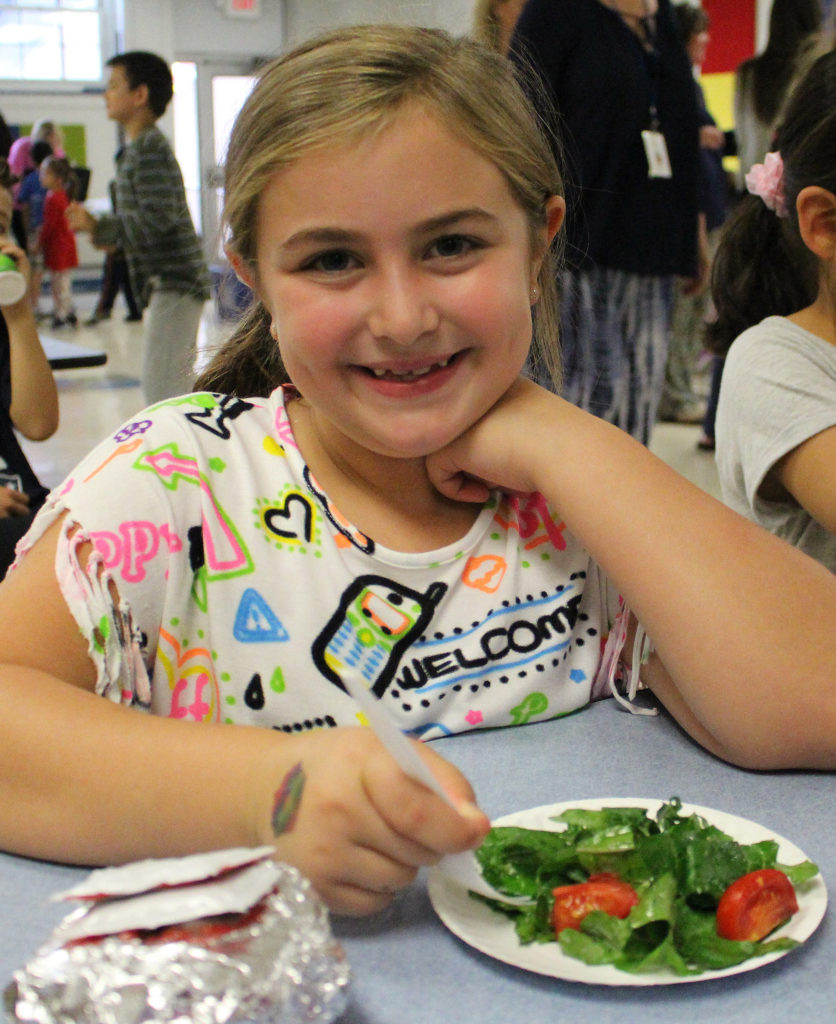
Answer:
(308, 17)
(189, 29)
(202, 28)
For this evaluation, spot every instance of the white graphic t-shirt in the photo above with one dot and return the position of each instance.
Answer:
(244, 594)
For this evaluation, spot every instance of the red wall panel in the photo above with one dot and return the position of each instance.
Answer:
(732, 33)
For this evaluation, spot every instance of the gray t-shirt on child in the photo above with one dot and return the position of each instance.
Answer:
(778, 390)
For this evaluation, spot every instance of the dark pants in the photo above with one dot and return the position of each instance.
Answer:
(116, 277)
(717, 364)
(19, 228)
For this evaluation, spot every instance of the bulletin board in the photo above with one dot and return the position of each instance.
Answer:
(75, 141)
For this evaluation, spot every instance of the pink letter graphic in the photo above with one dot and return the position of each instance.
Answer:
(190, 677)
(136, 543)
(532, 510)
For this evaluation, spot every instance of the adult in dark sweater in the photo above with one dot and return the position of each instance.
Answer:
(620, 83)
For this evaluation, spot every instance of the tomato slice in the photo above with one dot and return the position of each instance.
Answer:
(755, 905)
(600, 892)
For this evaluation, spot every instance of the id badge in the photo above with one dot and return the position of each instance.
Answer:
(656, 151)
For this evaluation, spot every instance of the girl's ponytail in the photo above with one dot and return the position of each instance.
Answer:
(248, 364)
(761, 269)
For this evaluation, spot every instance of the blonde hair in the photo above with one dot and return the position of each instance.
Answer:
(486, 27)
(346, 85)
(490, 28)
(44, 129)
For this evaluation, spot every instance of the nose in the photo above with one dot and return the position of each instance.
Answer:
(400, 309)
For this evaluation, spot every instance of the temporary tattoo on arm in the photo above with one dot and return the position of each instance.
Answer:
(287, 799)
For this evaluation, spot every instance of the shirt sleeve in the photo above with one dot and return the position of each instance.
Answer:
(776, 395)
(138, 563)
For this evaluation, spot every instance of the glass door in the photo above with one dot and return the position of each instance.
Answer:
(208, 96)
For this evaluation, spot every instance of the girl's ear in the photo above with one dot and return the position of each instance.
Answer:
(242, 271)
(555, 212)
(816, 209)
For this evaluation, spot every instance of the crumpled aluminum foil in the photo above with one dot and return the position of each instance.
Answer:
(277, 965)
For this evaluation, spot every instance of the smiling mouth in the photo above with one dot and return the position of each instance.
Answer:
(414, 373)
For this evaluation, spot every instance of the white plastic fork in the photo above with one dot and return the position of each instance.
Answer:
(460, 867)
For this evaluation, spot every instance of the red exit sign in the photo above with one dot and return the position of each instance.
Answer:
(243, 8)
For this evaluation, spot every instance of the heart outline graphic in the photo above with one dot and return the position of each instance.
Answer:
(286, 512)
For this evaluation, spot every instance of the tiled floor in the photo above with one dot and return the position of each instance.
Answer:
(95, 401)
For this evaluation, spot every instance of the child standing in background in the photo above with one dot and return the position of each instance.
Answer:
(774, 286)
(57, 239)
(368, 484)
(20, 162)
(151, 222)
(31, 197)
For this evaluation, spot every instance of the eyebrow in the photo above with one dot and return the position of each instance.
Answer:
(341, 236)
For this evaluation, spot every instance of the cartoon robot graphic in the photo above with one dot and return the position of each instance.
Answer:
(376, 621)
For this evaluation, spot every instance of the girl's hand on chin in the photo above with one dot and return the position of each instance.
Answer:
(498, 451)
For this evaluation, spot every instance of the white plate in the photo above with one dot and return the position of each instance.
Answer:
(492, 933)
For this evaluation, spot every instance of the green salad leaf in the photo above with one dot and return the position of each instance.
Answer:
(678, 864)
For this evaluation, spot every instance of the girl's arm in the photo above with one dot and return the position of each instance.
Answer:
(807, 474)
(741, 621)
(34, 405)
(88, 781)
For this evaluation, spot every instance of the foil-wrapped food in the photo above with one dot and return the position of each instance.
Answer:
(223, 937)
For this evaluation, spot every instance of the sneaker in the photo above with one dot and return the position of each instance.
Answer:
(132, 318)
(56, 323)
(72, 320)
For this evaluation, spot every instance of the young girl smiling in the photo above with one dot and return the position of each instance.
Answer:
(368, 485)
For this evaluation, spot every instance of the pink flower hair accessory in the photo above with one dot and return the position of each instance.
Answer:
(767, 181)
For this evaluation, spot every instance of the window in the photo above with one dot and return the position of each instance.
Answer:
(51, 40)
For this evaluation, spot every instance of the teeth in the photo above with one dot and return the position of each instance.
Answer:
(411, 373)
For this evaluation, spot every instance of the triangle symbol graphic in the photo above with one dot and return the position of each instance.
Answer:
(256, 622)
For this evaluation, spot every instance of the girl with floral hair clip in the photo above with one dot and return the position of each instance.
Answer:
(774, 285)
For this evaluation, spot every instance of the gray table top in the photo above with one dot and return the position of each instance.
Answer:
(408, 969)
(67, 355)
